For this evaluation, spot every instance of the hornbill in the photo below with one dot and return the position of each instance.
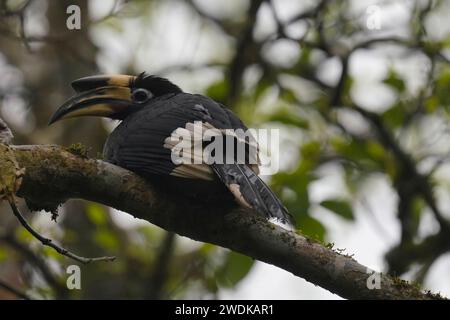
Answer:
(155, 114)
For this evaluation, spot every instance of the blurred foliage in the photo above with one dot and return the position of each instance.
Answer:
(322, 121)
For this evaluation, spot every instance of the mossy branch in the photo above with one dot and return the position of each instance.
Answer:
(54, 175)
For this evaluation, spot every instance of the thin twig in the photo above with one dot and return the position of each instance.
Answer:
(48, 242)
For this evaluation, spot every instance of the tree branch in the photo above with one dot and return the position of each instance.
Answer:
(54, 175)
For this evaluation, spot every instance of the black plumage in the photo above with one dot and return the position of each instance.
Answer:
(142, 142)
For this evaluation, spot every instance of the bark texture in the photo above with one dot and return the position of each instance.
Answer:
(53, 175)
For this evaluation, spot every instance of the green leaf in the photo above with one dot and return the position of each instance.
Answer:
(235, 269)
(310, 150)
(300, 205)
(355, 150)
(261, 88)
(417, 208)
(285, 117)
(218, 90)
(207, 248)
(52, 253)
(23, 235)
(341, 207)
(288, 96)
(348, 84)
(375, 150)
(96, 213)
(3, 255)
(107, 239)
(395, 81)
(442, 88)
(395, 116)
(304, 59)
(113, 23)
(431, 104)
(310, 227)
(298, 184)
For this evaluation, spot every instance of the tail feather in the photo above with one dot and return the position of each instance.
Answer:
(250, 191)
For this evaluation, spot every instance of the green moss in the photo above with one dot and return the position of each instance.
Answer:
(400, 283)
(414, 288)
(10, 173)
(78, 149)
(436, 296)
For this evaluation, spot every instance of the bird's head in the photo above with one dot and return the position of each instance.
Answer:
(114, 96)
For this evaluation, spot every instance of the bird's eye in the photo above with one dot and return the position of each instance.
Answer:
(141, 95)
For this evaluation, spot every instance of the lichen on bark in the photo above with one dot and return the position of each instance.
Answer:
(10, 173)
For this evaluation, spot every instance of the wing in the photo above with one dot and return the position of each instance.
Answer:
(146, 143)
(143, 142)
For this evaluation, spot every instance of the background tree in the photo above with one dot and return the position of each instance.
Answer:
(299, 67)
